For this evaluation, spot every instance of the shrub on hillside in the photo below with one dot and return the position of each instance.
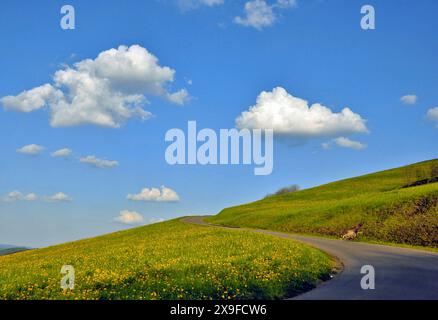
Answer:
(292, 188)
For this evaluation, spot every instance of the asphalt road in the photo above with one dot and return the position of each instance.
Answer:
(400, 273)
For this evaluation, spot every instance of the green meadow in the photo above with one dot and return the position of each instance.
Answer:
(392, 205)
(169, 260)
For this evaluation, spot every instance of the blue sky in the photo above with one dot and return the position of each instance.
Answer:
(313, 49)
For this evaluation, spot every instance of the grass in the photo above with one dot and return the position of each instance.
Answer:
(389, 211)
(169, 260)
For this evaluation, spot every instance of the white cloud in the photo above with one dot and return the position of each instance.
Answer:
(31, 197)
(259, 14)
(163, 194)
(129, 217)
(31, 100)
(326, 145)
(347, 143)
(179, 97)
(292, 117)
(32, 149)
(18, 196)
(409, 99)
(432, 114)
(14, 196)
(192, 4)
(344, 143)
(62, 153)
(99, 163)
(59, 197)
(106, 91)
(284, 4)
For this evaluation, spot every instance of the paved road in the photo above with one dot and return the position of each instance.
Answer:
(400, 273)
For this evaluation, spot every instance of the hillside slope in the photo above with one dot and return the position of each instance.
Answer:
(169, 260)
(398, 205)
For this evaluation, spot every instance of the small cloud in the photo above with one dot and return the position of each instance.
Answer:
(193, 4)
(18, 196)
(30, 197)
(129, 217)
(343, 143)
(285, 4)
(163, 194)
(326, 145)
(99, 163)
(180, 97)
(62, 153)
(32, 149)
(409, 99)
(259, 14)
(347, 143)
(432, 115)
(59, 197)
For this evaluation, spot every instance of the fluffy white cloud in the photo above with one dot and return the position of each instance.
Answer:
(344, 143)
(99, 163)
(59, 197)
(409, 99)
(293, 117)
(31, 100)
(259, 14)
(163, 194)
(62, 153)
(432, 114)
(106, 91)
(129, 217)
(32, 149)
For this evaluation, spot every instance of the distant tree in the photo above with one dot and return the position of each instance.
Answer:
(292, 188)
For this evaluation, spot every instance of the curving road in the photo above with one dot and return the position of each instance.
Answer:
(400, 273)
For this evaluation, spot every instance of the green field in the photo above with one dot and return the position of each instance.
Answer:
(169, 260)
(389, 211)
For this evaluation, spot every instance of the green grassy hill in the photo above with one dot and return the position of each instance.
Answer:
(169, 260)
(398, 205)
